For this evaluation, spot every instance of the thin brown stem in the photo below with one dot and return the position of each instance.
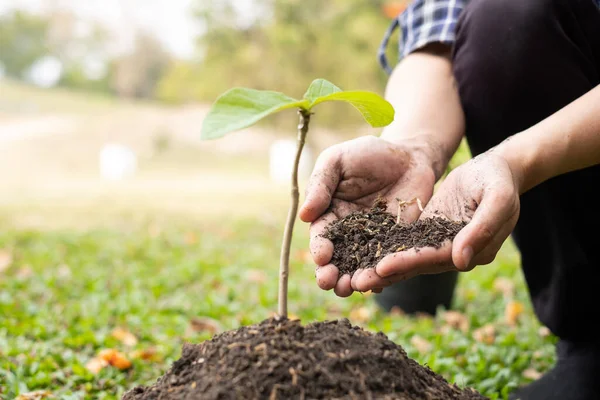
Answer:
(284, 262)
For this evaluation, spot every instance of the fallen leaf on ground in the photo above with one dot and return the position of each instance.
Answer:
(120, 361)
(532, 374)
(256, 276)
(422, 345)
(204, 325)
(397, 312)
(114, 358)
(486, 334)
(96, 364)
(36, 395)
(512, 312)
(149, 354)
(6, 260)
(361, 314)
(124, 336)
(505, 286)
(544, 331)
(457, 320)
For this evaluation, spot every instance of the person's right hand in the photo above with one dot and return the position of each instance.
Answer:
(348, 177)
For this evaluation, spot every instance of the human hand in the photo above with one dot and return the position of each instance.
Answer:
(483, 192)
(349, 177)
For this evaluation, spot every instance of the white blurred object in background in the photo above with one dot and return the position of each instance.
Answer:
(117, 162)
(282, 154)
(45, 72)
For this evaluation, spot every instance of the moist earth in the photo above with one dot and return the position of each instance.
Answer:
(282, 359)
(362, 238)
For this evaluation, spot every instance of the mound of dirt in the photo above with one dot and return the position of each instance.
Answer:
(282, 359)
(362, 238)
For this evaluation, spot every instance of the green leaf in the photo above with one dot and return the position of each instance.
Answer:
(320, 88)
(374, 108)
(238, 108)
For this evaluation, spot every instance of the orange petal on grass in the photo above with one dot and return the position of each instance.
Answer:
(204, 325)
(115, 358)
(149, 354)
(486, 334)
(457, 320)
(35, 395)
(512, 312)
(361, 314)
(505, 286)
(96, 364)
(124, 336)
(422, 345)
(532, 374)
(544, 331)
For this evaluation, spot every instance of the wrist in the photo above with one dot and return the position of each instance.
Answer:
(520, 153)
(425, 148)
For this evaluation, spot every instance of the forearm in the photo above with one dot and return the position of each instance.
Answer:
(428, 111)
(566, 141)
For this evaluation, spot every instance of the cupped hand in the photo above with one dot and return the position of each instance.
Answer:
(482, 192)
(349, 177)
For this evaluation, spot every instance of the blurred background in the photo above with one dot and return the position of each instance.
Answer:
(101, 102)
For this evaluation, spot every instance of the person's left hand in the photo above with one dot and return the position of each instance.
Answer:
(483, 192)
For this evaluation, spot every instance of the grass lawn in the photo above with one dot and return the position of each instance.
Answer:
(65, 291)
(80, 258)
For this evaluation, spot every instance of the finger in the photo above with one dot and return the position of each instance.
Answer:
(494, 211)
(327, 276)
(369, 280)
(411, 262)
(488, 254)
(321, 185)
(377, 290)
(321, 249)
(343, 288)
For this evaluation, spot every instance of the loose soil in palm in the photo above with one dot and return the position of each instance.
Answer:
(282, 359)
(362, 238)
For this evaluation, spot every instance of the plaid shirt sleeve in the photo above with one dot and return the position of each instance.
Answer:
(424, 22)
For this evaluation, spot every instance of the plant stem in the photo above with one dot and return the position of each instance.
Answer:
(284, 262)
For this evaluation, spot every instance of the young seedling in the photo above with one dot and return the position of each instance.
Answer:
(239, 108)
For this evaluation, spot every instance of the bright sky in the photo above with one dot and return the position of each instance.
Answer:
(169, 19)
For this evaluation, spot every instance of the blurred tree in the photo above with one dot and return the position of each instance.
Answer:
(282, 45)
(23, 40)
(137, 73)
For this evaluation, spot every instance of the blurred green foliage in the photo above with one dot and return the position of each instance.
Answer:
(23, 40)
(284, 48)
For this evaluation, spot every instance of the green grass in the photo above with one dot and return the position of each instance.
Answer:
(66, 290)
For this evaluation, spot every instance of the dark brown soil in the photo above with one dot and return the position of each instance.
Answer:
(281, 359)
(363, 238)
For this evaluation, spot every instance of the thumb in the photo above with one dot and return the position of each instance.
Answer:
(494, 211)
(321, 185)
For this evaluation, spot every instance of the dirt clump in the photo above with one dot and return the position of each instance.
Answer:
(361, 239)
(282, 359)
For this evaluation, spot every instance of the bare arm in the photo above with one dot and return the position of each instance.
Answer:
(566, 141)
(423, 92)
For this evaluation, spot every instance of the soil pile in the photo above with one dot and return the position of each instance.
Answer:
(282, 359)
(362, 238)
